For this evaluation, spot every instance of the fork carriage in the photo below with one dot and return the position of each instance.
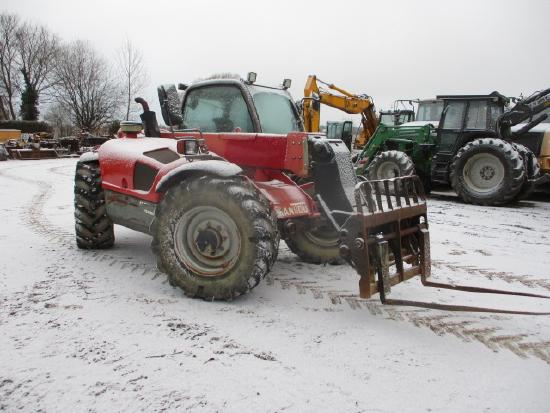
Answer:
(387, 239)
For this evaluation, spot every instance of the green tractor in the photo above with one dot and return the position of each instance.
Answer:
(396, 117)
(470, 147)
(402, 112)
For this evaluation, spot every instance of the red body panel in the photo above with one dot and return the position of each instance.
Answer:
(262, 157)
(257, 150)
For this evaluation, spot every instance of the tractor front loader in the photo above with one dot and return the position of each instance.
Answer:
(233, 175)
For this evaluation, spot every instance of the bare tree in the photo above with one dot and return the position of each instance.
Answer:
(37, 48)
(133, 71)
(59, 118)
(85, 87)
(9, 66)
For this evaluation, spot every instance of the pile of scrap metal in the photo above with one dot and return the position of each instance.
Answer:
(42, 145)
(33, 148)
(88, 142)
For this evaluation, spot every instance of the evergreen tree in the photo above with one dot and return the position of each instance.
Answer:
(29, 100)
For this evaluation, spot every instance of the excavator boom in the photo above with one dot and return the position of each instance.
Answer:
(345, 101)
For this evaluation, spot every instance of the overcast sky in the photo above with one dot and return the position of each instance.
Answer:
(387, 49)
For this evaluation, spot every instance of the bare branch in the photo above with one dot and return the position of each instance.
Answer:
(37, 50)
(9, 72)
(85, 87)
(133, 72)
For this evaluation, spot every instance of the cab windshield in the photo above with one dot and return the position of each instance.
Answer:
(276, 111)
(429, 111)
(387, 119)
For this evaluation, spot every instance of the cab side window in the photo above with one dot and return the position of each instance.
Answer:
(454, 115)
(477, 115)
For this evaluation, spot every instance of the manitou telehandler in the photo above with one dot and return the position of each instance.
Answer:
(235, 173)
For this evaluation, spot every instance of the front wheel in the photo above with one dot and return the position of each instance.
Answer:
(390, 164)
(93, 227)
(215, 237)
(317, 245)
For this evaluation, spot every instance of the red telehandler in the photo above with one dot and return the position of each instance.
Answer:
(233, 175)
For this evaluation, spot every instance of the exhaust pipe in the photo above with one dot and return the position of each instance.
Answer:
(149, 119)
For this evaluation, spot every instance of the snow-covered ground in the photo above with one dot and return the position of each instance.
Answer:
(103, 331)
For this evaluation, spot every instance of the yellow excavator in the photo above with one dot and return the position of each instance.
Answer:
(345, 101)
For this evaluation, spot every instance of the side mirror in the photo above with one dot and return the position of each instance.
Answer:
(170, 105)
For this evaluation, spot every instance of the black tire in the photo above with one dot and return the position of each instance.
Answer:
(487, 171)
(390, 164)
(531, 169)
(426, 183)
(233, 233)
(93, 228)
(316, 246)
(530, 161)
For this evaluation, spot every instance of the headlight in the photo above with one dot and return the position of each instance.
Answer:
(188, 146)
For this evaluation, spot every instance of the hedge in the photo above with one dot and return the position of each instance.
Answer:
(26, 126)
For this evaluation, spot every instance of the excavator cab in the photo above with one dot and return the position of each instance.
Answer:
(340, 130)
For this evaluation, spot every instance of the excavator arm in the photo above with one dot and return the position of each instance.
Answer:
(345, 101)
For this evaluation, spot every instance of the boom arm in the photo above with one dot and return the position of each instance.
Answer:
(345, 101)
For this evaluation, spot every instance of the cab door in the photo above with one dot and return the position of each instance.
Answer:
(448, 135)
(451, 126)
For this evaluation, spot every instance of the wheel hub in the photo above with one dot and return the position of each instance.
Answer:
(487, 172)
(210, 241)
(207, 241)
(483, 172)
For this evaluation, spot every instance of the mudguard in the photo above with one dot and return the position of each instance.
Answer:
(89, 157)
(219, 168)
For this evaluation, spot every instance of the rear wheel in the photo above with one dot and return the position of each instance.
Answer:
(215, 237)
(487, 171)
(93, 228)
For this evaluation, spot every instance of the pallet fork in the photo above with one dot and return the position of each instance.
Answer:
(387, 241)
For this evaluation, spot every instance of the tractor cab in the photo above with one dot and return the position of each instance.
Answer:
(396, 117)
(402, 112)
(463, 118)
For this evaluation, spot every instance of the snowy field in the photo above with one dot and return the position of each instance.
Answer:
(104, 331)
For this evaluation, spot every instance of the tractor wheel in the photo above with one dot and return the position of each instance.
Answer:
(317, 245)
(94, 229)
(390, 164)
(487, 171)
(531, 167)
(216, 238)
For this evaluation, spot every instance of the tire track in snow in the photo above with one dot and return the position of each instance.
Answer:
(465, 328)
(34, 217)
(508, 277)
(468, 330)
